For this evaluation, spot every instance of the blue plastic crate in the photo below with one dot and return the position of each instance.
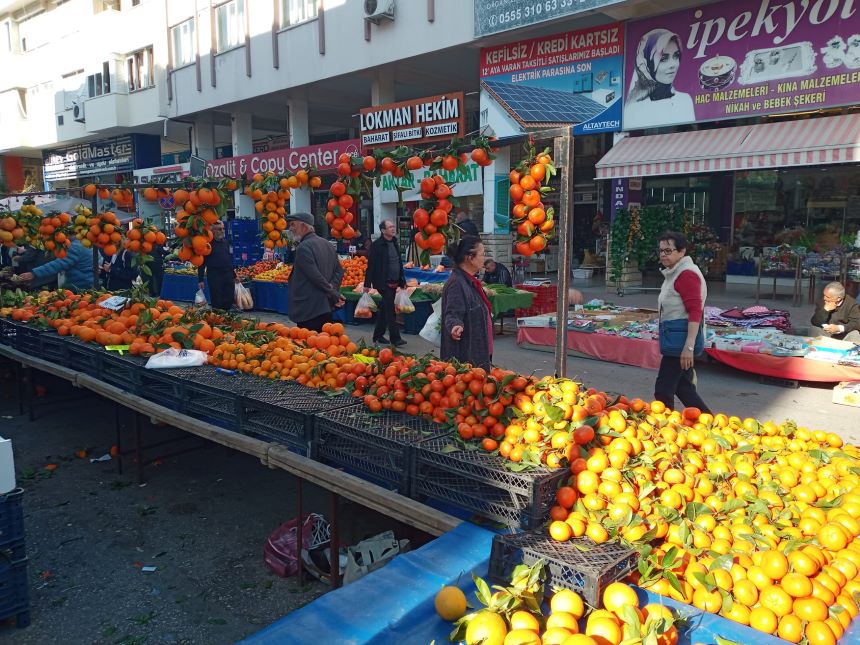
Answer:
(413, 323)
(11, 517)
(14, 595)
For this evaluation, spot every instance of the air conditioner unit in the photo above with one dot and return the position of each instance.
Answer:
(376, 11)
(78, 106)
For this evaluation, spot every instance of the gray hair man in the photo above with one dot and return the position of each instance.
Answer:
(837, 314)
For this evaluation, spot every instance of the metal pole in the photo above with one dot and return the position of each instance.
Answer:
(564, 158)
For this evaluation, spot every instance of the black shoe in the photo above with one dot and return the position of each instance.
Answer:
(399, 342)
(382, 340)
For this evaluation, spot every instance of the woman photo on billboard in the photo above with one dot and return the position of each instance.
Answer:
(652, 100)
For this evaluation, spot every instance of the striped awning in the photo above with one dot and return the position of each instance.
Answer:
(806, 142)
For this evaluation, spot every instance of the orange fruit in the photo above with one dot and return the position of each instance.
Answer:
(763, 619)
(604, 631)
(819, 633)
(569, 602)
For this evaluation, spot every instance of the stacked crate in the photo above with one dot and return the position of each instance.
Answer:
(14, 597)
(543, 303)
(244, 236)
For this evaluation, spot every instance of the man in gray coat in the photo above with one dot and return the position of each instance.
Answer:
(315, 281)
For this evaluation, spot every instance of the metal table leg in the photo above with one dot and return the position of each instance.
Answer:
(300, 573)
(334, 561)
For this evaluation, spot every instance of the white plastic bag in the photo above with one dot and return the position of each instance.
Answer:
(177, 358)
(365, 306)
(242, 295)
(432, 329)
(199, 298)
(402, 303)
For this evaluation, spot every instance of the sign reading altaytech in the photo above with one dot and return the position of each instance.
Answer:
(409, 122)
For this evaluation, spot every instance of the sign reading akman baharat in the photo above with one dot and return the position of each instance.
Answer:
(434, 118)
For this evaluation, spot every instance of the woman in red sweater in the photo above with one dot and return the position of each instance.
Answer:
(682, 298)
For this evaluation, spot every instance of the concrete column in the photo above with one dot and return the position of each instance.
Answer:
(241, 138)
(300, 202)
(203, 136)
(382, 92)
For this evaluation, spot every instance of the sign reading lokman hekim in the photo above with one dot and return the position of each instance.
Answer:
(410, 122)
(493, 16)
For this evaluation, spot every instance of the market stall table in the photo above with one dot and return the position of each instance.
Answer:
(181, 287)
(786, 367)
(270, 296)
(426, 276)
(640, 352)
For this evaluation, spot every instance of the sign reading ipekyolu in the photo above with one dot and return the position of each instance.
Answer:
(740, 58)
(409, 122)
(323, 157)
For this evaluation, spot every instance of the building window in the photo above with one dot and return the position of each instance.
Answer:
(294, 12)
(182, 37)
(231, 24)
(141, 73)
(99, 83)
(105, 5)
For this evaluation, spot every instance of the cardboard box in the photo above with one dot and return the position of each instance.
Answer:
(847, 393)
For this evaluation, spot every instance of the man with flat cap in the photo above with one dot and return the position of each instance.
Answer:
(315, 281)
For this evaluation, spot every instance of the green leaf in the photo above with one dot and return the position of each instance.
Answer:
(673, 581)
(482, 591)
(725, 641)
(723, 562)
(554, 413)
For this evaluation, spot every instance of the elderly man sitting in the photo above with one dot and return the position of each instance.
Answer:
(837, 315)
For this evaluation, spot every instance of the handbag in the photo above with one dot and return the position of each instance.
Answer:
(673, 337)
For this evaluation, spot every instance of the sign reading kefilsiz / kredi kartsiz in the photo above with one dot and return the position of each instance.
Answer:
(493, 16)
(741, 58)
(571, 77)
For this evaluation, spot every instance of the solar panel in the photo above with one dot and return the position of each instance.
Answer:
(536, 104)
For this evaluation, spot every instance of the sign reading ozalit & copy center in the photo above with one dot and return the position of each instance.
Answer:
(323, 157)
(423, 120)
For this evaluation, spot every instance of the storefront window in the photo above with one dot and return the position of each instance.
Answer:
(803, 206)
(705, 198)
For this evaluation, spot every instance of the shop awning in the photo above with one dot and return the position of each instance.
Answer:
(807, 142)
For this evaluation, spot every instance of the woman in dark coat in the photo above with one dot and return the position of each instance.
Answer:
(467, 332)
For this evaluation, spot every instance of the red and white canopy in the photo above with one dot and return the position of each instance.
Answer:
(807, 142)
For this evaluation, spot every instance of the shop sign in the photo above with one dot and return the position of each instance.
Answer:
(109, 156)
(464, 181)
(432, 118)
(741, 58)
(572, 77)
(323, 157)
(162, 174)
(271, 143)
(493, 16)
(618, 196)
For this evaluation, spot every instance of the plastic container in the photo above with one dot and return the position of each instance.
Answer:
(215, 397)
(84, 357)
(11, 518)
(8, 332)
(582, 274)
(377, 447)
(285, 413)
(478, 482)
(414, 322)
(54, 348)
(14, 595)
(7, 467)
(578, 564)
(124, 371)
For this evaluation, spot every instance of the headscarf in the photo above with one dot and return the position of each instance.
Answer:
(644, 83)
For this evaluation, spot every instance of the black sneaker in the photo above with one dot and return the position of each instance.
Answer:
(399, 342)
(382, 340)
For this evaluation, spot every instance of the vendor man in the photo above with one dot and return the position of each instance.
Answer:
(497, 273)
(837, 314)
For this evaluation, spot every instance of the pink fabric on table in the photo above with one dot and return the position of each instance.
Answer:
(787, 367)
(614, 349)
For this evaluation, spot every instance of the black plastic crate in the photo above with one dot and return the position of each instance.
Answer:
(54, 348)
(28, 339)
(8, 331)
(123, 371)
(11, 517)
(214, 396)
(83, 357)
(378, 446)
(160, 386)
(578, 564)
(477, 481)
(14, 595)
(284, 412)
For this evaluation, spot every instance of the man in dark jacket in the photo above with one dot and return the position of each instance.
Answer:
(385, 274)
(314, 286)
(838, 314)
(466, 225)
(217, 267)
(495, 273)
(120, 271)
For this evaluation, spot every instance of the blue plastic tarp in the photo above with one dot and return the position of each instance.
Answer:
(426, 276)
(393, 604)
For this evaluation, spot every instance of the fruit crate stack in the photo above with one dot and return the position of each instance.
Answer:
(479, 482)
(84, 357)
(214, 395)
(544, 301)
(285, 412)
(578, 564)
(14, 596)
(244, 240)
(375, 446)
(8, 332)
(122, 370)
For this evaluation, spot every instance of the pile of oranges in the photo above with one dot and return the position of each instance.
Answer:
(271, 193)
(276, 274)
(104, 232)
(339, 217)
(56, 232)
(354, 269)
(432, 218)
(534, 223)
(154, 193)
(20, 227)
(318, 360)
(194, 216)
